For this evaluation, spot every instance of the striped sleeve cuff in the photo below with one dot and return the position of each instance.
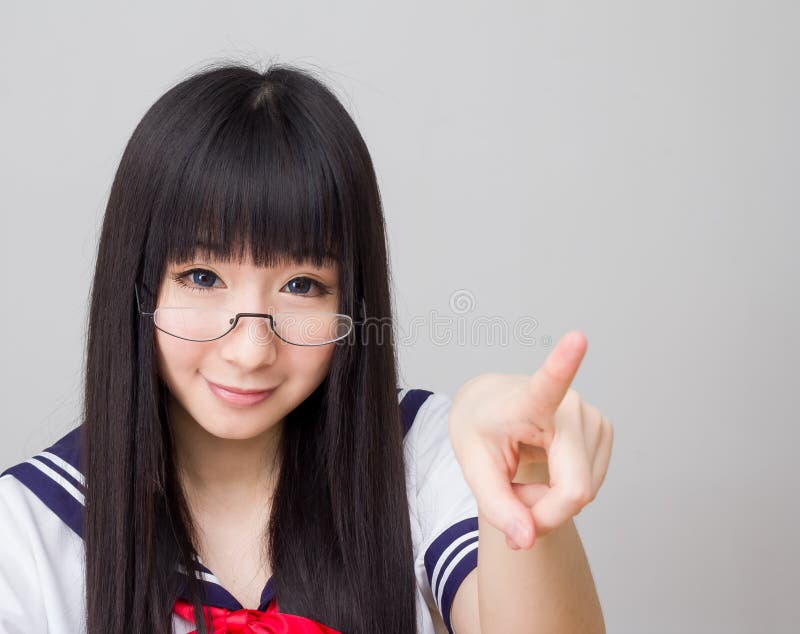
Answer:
(448, 560)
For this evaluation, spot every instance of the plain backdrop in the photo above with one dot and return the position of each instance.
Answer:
(626, 168)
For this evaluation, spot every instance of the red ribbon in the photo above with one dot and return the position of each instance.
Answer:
(253, 621)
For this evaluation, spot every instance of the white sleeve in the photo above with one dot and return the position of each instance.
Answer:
(22, 607)
(446, 509)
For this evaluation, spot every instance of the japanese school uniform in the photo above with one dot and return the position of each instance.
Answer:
(41, 546)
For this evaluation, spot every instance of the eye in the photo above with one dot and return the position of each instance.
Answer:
(202, 280)
(301, 284)
(197, 276)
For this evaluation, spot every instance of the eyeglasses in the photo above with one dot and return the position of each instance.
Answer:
(303, 328)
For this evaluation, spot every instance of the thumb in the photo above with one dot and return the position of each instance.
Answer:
(530, 494)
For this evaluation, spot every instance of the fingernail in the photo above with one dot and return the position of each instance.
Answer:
(518, 533)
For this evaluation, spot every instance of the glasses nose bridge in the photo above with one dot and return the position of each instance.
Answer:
(267, 316)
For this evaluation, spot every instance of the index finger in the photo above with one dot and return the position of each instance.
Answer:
(549, 384)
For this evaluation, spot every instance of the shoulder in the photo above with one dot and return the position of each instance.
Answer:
(53, 477)
(428, 450)
(424, 416)
(443, 508)
(46, 492)
(25, 524)
(429, 453)
(41, 554)
(42, 498)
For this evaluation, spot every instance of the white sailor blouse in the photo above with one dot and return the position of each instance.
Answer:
(42, 554)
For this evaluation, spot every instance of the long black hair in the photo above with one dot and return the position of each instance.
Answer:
(231, 160)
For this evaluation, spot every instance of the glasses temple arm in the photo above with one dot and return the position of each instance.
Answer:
(138, 303)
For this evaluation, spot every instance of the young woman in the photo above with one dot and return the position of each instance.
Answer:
(246, 460)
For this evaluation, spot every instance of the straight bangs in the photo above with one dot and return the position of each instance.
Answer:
(256, 182)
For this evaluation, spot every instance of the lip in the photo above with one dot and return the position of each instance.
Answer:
(236, 396)
(236, 390)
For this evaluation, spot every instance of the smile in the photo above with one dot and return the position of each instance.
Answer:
(235, 397)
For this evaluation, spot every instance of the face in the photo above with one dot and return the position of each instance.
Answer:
(251, 356)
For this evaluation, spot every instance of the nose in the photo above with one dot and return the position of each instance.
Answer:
(251, 343)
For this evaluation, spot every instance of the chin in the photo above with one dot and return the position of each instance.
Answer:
(235, 430)
(232, 434)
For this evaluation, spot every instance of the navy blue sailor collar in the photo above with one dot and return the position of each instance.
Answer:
(54, 476)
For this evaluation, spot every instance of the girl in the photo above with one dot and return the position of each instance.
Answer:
(246, 461)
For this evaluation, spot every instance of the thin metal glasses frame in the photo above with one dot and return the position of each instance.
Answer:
(236, 318)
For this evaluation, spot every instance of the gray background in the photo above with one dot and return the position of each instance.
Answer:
(628, 169)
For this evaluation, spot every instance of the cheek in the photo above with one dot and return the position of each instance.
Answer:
(175, 360)
(311, 364)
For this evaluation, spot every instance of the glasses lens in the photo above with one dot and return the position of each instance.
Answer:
(300, 328)
(312, 329)
(197, 324)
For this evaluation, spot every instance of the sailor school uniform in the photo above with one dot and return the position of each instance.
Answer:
(42, 552)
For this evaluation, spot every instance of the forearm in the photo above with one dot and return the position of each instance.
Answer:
(547, 588)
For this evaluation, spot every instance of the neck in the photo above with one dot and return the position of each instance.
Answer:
(232, 471)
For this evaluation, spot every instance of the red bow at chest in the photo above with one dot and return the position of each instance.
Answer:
(253, 621)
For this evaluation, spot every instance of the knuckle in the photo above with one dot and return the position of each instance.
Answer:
(571, 401)
(580, 495)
